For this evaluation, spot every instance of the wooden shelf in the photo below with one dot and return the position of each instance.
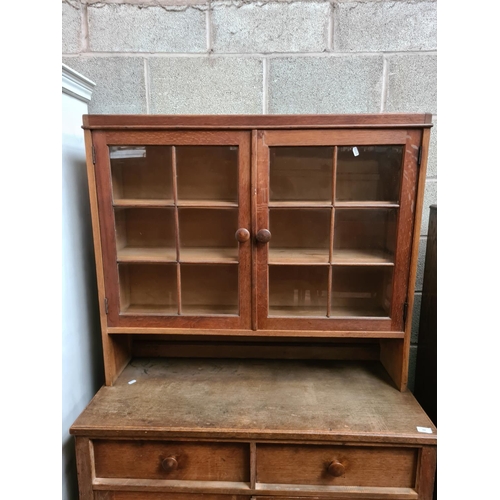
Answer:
(140, 202)
(297, 311)
(149, 310)
(366, 204)
(362, 258)
(298, 255)
(300, 204)
(207, 255)
(207, 203)
(357, 310)
(209, 310)
(136, 254)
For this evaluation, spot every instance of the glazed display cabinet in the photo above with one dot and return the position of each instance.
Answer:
(256, 278)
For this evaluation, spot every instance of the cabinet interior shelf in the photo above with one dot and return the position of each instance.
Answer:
(140, 254)
(366, 204)
(152, 203)
(366, 311)
(329, 204)
(206, 255)
(187, 310)
(140, 202)
(305, 256)
(209, 255)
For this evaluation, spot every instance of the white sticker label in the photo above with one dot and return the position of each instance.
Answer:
(426, 430)
(355, 151)
(132, 382)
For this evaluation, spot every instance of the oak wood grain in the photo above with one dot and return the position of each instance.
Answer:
(388, 120)
(193, 461)
(256, 399)
(361, 466)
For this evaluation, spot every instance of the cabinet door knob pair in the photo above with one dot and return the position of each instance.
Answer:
(262, 236)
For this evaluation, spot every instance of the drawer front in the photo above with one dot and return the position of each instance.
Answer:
(172, 460)
(337, 465)
(142, 495)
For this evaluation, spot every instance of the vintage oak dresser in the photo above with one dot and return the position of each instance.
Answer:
(256, 278)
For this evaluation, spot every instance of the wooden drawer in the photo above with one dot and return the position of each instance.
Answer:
(141, 495)
(353, 466)
(172, 460)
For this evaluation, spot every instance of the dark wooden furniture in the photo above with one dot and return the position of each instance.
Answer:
(426, 369)
(256, 278)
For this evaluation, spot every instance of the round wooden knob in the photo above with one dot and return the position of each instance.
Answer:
(169, 464)
(263, 236)
(242, 235)
(336, 469)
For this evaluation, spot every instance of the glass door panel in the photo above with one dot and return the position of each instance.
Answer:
(148, 289)
(141, 174)
(296, 291)
(299, 235)
(335, 214)
(207, 234)
(301, 174)
(364, 236)
(369, 173)
(145, 234)
(361, 291)
(207, 175)
(173, 205)
(209, 289)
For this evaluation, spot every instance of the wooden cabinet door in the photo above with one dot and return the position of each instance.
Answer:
(334, 222)
(171, 207)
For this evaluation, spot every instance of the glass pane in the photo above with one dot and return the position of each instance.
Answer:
(298, 290)
(369, 173)
(301, 174)
(145, 234)
(207, 173)
(209, 289)
(148, 289)
(141, 172)
(299, 235)
(364, 236)
(361, 291)
(207, 235)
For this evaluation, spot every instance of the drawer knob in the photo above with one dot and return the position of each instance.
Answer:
(263, 236)
(169, 464)
(336, 469)
(242, 235)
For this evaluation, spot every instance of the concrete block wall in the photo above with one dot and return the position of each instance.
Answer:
(244, 56)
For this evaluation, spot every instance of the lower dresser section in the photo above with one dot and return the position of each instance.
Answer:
(254, 430)
(141, 469)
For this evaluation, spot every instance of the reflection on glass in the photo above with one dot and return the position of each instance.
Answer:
(361, 291)
(298, 290)
(209, 289)
(148, 289)
(364, 236)
(299, 235)
(369, 173)
(301, 174)
(141, 172)
(207, 173)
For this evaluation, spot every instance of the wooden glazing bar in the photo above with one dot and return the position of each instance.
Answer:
(177, 230)
(334, 174)
(253, 232)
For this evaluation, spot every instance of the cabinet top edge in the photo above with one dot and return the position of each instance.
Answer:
(134, 122)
